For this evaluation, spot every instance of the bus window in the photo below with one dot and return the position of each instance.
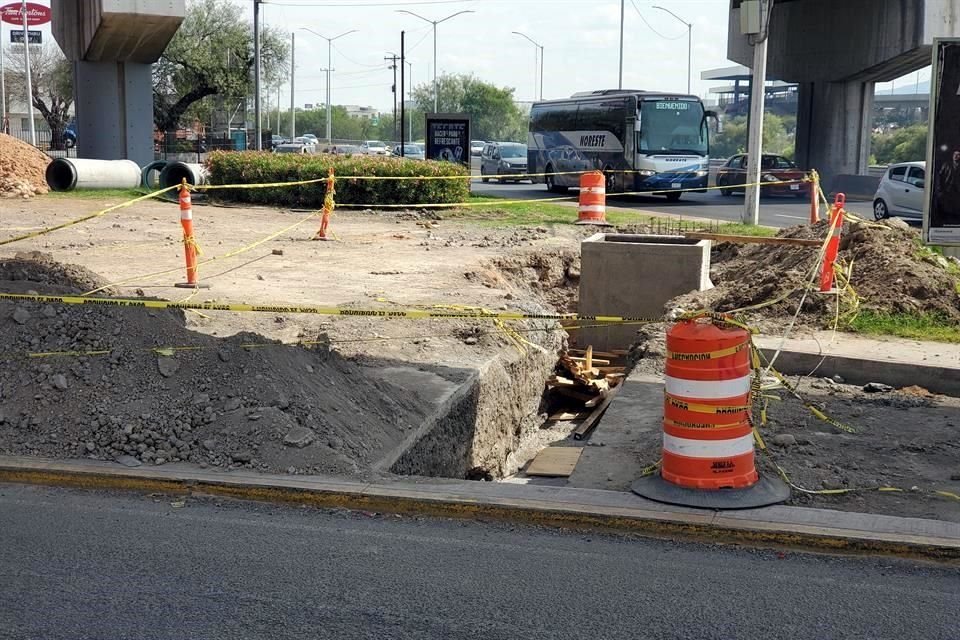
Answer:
(673, 127)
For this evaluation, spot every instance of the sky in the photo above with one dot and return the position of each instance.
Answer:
(580, 40)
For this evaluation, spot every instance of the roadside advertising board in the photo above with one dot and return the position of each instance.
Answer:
(448, 137)
(37, 14)
(941, 207)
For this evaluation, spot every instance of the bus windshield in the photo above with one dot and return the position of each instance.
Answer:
(672, 127)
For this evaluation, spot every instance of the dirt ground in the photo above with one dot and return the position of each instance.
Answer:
(229, 406)
(260, 404)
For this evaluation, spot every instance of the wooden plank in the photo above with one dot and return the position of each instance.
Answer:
(567, 415)
(587, 425)
(723, 237)
(600, 354)
(555, 462)
(587, 357)
(576, 395)
(595, 361)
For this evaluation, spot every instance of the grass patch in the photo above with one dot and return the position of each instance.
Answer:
(919, 327)
(493, 211)
(98, 194)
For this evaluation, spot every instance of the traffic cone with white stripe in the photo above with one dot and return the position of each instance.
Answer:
(592, 208)
(190, 248)
(708, 448)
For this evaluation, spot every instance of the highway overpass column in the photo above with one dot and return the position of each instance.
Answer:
(834, 121)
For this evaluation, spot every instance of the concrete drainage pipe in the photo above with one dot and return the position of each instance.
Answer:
(175, 172)
(67, 174)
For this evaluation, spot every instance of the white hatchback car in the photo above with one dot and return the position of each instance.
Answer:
(901, 191)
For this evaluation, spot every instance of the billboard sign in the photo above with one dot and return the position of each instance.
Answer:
(16, 36)
(941, 208)
(448, 137)
(37, 14)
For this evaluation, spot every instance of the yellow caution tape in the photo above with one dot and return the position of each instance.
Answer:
(708, 355)
(318, 310)
(85, 218)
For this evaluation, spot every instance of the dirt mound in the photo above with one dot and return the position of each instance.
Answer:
(274, 408)
(551, 275)
(22, 169)
(27, 268)
(892, 273)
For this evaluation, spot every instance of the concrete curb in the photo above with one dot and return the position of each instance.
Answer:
(813, 529)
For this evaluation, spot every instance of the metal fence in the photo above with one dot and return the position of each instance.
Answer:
(45, 142)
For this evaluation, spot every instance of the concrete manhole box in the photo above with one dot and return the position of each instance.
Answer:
(635, 275)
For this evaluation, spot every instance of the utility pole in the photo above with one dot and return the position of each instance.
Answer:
(403, 110)
(409, 92)
(293, 70)
(3, 88)
(26, 56)
(256, 75)
(536, 46)
(436, 91)
(393, 60)
(689, 26)
(751, 208)
(620, 81)
(329, 71)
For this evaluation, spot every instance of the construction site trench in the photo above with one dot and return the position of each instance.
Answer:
(376, 397)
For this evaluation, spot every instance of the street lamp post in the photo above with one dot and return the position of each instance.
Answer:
(689, 42)
(540, 47)
(436, 93)
(329, 71)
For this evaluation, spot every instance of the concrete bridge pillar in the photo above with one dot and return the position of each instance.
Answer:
(112, 45)
(834, 126)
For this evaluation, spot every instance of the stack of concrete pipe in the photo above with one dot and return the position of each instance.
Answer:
(67, 174)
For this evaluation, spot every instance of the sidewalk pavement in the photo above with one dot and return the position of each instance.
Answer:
(819, 529)
(898, 362)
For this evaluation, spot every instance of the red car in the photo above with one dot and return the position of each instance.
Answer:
(773, 168)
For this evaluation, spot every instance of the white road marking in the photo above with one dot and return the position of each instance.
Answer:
(780, 215)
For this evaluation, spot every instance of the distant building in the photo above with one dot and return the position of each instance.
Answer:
(367, 113)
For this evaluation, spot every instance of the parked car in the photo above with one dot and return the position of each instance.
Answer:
(309, 143)
(476, 147)
(504, 159)
(411, 151)
(773, 168)
(901, 191)
(292, 147)
(346, 149)
(312, 138)
(278, 140)
(374, 148)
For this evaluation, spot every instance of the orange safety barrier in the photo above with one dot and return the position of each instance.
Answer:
(592, 207)
(833, 246)
(707, 430)
(328, 205)
(190, 248)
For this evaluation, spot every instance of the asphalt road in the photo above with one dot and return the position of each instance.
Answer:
(776, 211)
(96, 565)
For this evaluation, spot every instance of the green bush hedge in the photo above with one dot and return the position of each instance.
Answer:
(252, 167)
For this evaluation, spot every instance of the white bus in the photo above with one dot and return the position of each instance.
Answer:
(641, 140)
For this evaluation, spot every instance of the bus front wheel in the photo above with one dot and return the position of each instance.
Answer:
(551, 182)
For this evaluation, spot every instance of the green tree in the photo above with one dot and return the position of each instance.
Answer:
(493, 113)
(212, 54)
(52, 85)
(778, 136)
(900, 145)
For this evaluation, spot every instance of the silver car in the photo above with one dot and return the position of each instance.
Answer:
(410, 151)
(901, 191)
(507, 160)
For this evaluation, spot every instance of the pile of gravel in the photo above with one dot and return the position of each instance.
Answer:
(275, 408)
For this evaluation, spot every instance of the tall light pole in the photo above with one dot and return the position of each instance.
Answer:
(329, 72)
(26, 56)
(436, 93)
(689, 42)
(293, 70)
(540, 47)
(256, 76)
(620, 81)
